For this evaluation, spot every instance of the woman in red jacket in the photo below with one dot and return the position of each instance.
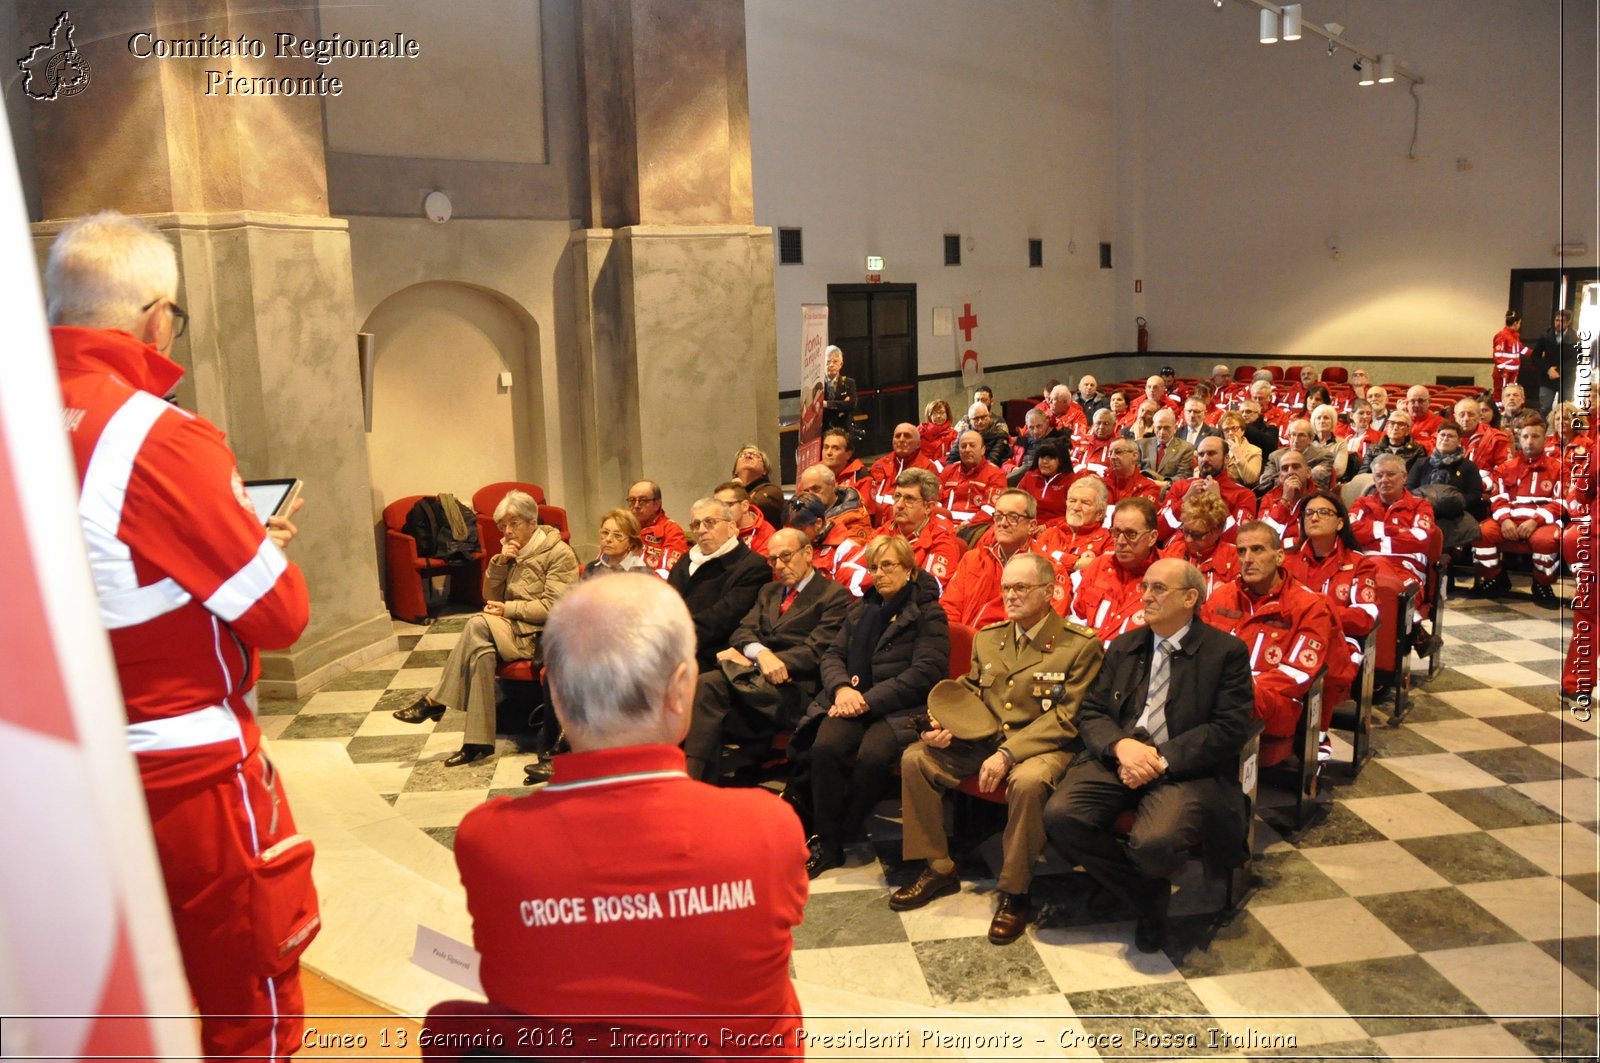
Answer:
(938, 434)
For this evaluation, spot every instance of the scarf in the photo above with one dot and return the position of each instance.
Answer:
(870, 626)
(696, 558)
(1440, 460)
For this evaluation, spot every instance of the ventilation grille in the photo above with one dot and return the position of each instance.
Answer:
(1035, 254)
(1105, 256)
(952, 249)
(789, 248)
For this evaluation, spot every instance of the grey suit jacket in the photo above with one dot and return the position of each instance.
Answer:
(1177, 463)
(800, 636)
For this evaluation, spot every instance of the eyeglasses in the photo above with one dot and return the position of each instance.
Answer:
(887, 566)
(707, 524)
(909, 498)
(1154, 590)
(1012, 590)
(642, 500)
(512, 522)
(779, 560)
(1321, 512)
(180, 316)
(1007, 520)
(1190, 533)
(613, 536)
(1123, 535)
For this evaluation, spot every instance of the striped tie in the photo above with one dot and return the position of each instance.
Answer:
(1155, 704)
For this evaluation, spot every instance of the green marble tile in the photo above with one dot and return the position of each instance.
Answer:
(399, 698)
(1200, 949)
(1538, 728)
(1397, 995)
(1152, 1021)
(445, 836)
(1578, 954)
(324, 725)
(850, 917)
(427, 658)
(1401, 741)
(281, 706)
(408, 642)
(1465, 858)
(1449, 679)
(377, 679)
(1586, 883)
(1341, 827)
(1429, 920)
(448, 625)
(433, 775)
(969, 968)
(1339, 1051)
(1289, 878)
(384, 748)
(1494, 807)
(1428, 708)
(1554, 1038)
(1519, 764)
(1541, 697)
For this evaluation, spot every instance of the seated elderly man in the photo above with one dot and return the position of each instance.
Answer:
(1081, 536)
(623, 887)
(840, 504)
(1210, 474)
(1195, 427)
(1258, 431)
(1038, 431)
(968, 484)
(1487, 447)
(1107, 595)
(1066, 416)
(1424, 422)
(1526, 513)
(906, 453)
(996, 440)
(972, 596)
(1156, 391)
(1163, 456)
(1299, 436)
(664, 541)
(1281, 506)
(1273, 410)
(934, 545)
(1290, 631)
(752, 524)
(770, 669)
(718, 578)
(1089, 448)
(839, 455)
(1089, 399)
(1162, 726)
(1123, 478)
(1019, 699)
(1398, 531)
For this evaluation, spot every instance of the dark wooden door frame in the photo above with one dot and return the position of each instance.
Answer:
(870, 388)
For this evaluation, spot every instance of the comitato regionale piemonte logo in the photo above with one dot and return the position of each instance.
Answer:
(55, 68)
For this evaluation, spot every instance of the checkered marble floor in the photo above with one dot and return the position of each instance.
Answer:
(1443, 905)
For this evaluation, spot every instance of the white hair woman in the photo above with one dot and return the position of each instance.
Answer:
(533, 568)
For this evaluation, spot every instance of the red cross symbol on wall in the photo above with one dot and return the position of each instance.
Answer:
(967, 321)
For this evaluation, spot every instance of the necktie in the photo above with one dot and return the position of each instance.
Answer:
(1155, 703)
(1161, 452)
(788, 600)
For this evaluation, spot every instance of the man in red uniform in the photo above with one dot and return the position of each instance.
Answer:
(754, 528)
(907, 454)
(1397, 530)
(1424, 422)
(1526, 512)
(190, 584)
(1108, 597)
(1089, 448)
(838, 550)
(1210, 474)
(664, 541)
(1081, 536)
(1508, 350)
(1487, 447)
(1280, 507)
(1124, 480)
(839, 455)
(1155, 390)
(933, 540)
(631, 890)
(973, 594)
(968, 485)
(1288, 629)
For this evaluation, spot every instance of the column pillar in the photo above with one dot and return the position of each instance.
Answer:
(240, 185)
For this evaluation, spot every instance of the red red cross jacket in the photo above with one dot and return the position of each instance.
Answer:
(1348, 582)
(1529, 490)
(1138, 485)
(1402, 533)
(757, 535)
(973, 594)
(1508, 352)
(1049, 494)
(1488, 448)
(1220, 566)
(1424, 428)
(968, 493)
(880, 481)
(935, 547)
(1108, 598)
(1282, 515)
(1241, 503)
(1089, 453)
(188, 582)
(1064, 544)
(664, 543)
(841, 556)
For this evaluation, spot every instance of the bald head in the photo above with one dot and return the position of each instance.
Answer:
(906, 441)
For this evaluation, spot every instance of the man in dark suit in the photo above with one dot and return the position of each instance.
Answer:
(1194, 427)
(1162, 455)
(1162, 727)
(770, 669)
(718, 578)
(839, 394)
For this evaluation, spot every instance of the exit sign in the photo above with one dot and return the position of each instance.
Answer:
(874, 264)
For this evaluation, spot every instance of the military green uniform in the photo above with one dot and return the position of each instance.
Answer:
(1033, 691)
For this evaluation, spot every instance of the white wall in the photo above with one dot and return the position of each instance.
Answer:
(879, 125)
(1256, 160)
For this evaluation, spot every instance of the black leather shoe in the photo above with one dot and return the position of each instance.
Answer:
(930, 886)
(1422, 642)
(538, 772)
(419, 711)
(468, 754)
(801, 805)
(1544, 596)
(1010, 919)
(1497, 587)
(825, 856)
(1150, 932)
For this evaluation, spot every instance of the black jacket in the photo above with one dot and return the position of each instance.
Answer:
(799, 636)
(840, 410)
(996, 444)
(718, 595)
(913, 654)
(1411, 451)
(1463, 475)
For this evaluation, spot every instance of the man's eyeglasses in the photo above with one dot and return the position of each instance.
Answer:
(1013, 590)
(1008, 520)
(708, 523)
(180, 316)
(1123, 535)
(779, 560)
(641, 500)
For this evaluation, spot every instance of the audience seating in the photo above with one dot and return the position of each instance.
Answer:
(1244, 374)
(1355, 715)
(1301, 776)
(1015, 412)
(1336, 374)
(408, 599)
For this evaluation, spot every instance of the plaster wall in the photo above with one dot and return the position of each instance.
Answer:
(879, 127)
(1248, 164)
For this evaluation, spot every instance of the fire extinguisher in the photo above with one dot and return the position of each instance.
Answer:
(1144, 334)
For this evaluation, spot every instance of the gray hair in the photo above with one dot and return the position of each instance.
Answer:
(1043, 570)
(1260, 375)
(972, 411)
(611, 647)
(822, 473)
(1102, 494)
(1296, 424)
(926, 483)
(105, 269)
(1388, 457)
(1194, 580)
(1032, 509)
(1060, 390)
(724, 510)
(519, 503)
(1036, 416)
(1262, 527)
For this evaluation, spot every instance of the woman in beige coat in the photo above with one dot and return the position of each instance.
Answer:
(533, 568)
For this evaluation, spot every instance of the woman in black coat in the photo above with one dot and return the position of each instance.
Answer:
(894, 646)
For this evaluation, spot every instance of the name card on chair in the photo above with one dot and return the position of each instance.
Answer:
(453, 960)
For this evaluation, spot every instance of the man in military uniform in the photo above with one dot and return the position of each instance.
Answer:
(1028, 675)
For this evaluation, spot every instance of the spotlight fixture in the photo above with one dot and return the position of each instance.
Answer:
(1365, 66)
(1269, 26)
(1291, 22)
(1218, 4)
(1385, 68)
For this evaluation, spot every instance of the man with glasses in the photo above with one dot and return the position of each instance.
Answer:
(973, 596)
(664, 541)
(1089, 448)
(191, 583)
(718, 578)
(770, 668)
(1210, 474)
(1162, 726)
(1028, 675)
(1424, 422)
(1291, 633)
(1123, 478)
(933, 540)
(1107, 598)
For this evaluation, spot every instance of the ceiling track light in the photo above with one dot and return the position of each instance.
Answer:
(1291, 22)
(1385, 68)
(1366, 78)
(1269, 26)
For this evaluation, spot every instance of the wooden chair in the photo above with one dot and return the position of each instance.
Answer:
(406, 570)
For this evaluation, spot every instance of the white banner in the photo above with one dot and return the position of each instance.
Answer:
(813, 373)
(967, 342)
